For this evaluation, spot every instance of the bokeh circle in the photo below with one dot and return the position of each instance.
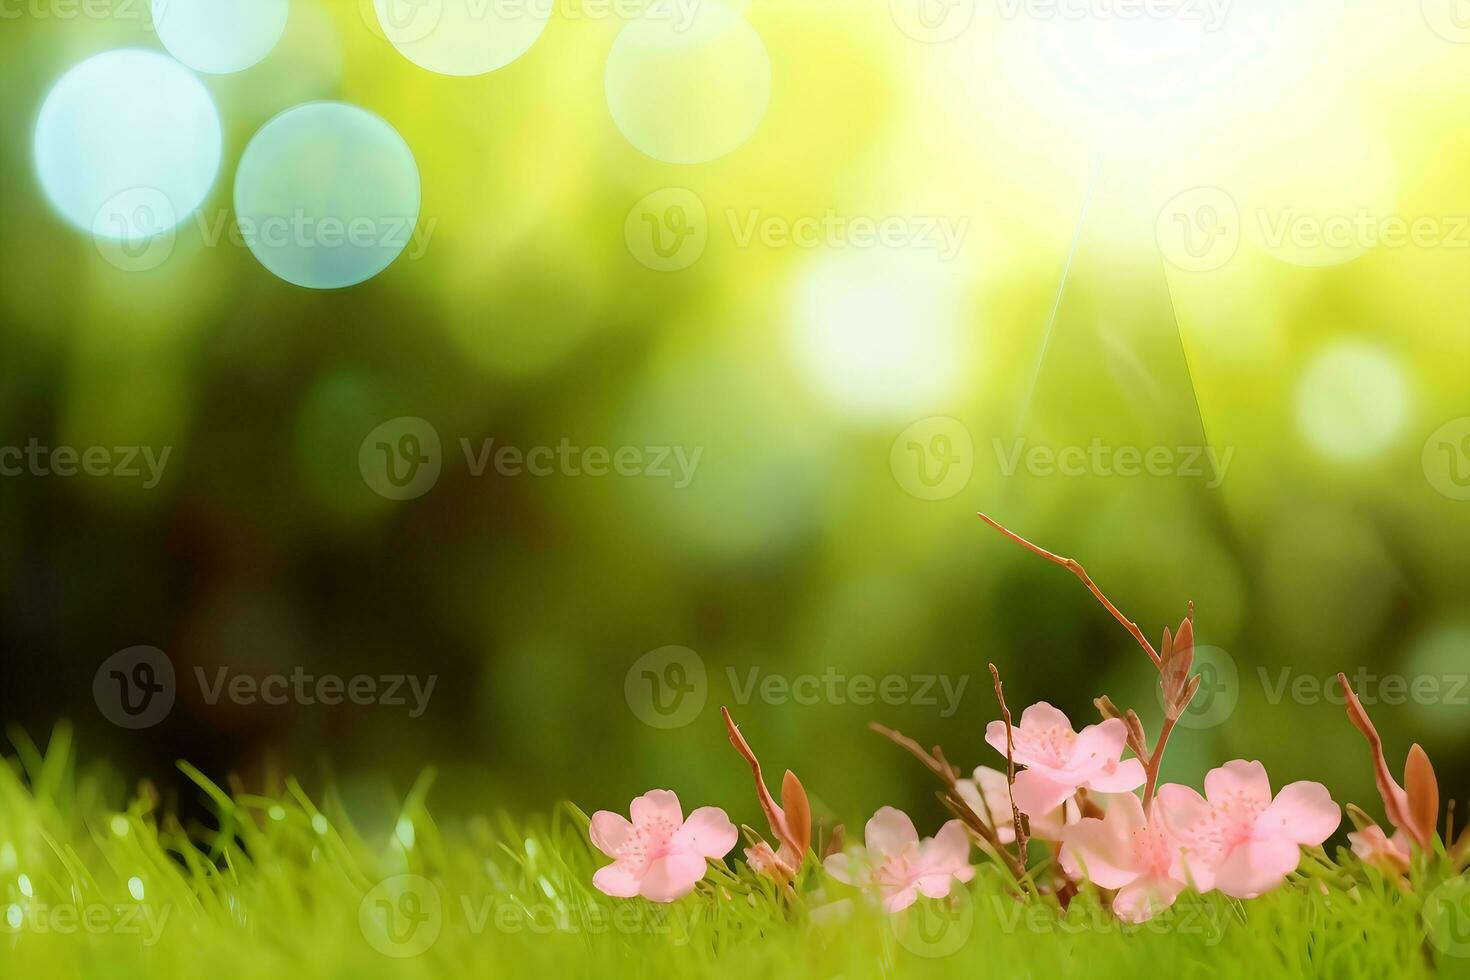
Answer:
(327, 195)
(462, 37)
(124, 126)
(220, 36)
(688, 84)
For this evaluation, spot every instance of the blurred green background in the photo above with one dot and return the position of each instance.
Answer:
(1074, 154)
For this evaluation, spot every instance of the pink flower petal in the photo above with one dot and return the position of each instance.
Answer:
(1042, 715)
(672, 877)
(1125, 777)
(948, 851)
(615, 881)
(1256, 867)
(1098, 851)
(1098, 746)
(1239, 781)
(1303, 813)
(656, 805)
(708, 833)
(845, 869)
(1037, 792)
(900, 899)
(890, 831)
(934, 885)
(1141, 900)
(608, 831)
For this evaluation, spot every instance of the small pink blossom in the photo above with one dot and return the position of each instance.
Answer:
(902, 866)
(1388, 854)
(1059, 760)
(988, 795)
(1240, 839)
(1128, 851)
(658, 854)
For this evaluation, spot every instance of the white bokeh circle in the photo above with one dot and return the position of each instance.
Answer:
(327, 195)
(127, 127)
(462, 37)
(220, 36)
(688, 84)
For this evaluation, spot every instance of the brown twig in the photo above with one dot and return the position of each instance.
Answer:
(1076, 569)
(1021, 825)
(949, 775)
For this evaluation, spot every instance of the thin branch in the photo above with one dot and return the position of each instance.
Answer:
(939, 766)
(1020, 822)
(1076, 569)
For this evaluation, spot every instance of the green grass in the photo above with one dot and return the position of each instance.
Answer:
(285, 886)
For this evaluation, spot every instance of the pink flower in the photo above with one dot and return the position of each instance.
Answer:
(1238, 838)
(1128, 851)
(659, 854)
(1388, 854)
(900, 865)
(988, 795)
(1059, 761)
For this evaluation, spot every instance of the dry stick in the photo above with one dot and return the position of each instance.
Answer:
(939, 766)
(1075, 567)
(1016, 818)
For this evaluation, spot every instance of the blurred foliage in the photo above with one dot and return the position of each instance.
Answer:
(796, 550)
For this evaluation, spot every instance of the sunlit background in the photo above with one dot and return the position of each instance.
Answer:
(865, 267)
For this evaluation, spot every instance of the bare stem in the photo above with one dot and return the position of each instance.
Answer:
(1016, 818)
(1075, 567)
(941, 767)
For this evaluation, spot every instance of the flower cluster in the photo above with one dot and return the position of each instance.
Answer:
(1093, 796)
